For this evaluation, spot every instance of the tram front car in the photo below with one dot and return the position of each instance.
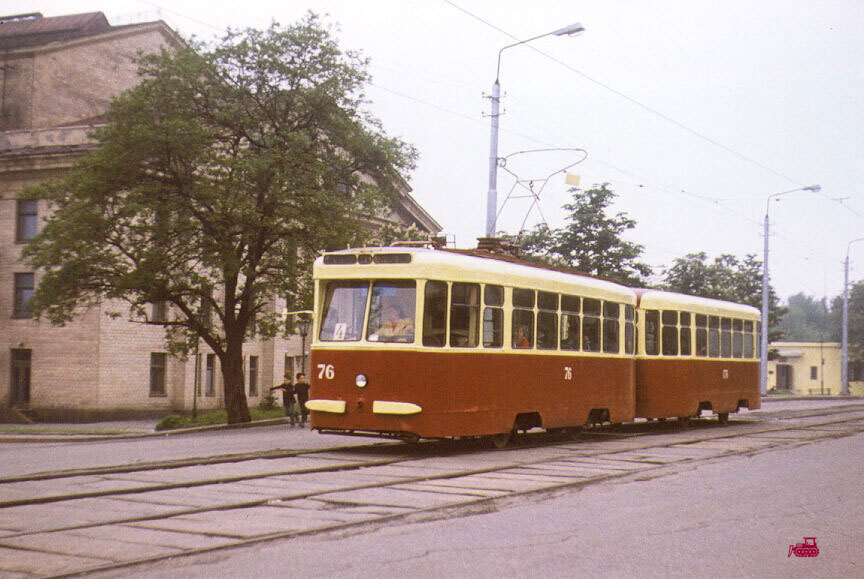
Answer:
(422, 343)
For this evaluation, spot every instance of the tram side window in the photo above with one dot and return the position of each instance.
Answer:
(547, 321)
(701, 335)
(493, 316)
(652, 329)
(435, 314)
(670, 333)
(629, 329)
(523, 318)
(737, 339)
(725, 338)
(570, 322)
(464, 315)
(344, 310)
(591, 324)
(684, 333)
(713, 336)
(748, 340)
(391, 311)
(611, 327)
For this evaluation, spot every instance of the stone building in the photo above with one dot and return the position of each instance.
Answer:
(57, 76)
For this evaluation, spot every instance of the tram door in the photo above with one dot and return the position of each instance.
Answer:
(784, 377)
(20, 376)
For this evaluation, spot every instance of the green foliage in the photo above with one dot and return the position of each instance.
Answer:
(856, 320)
(808, 320)
(592, 242)
(175, 421)
(725, 278)
(219, 177)
(267, 402)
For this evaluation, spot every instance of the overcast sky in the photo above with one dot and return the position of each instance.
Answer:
(694, 111)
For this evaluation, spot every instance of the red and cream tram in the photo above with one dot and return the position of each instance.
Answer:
(430, 343)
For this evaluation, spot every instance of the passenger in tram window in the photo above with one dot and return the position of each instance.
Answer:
(520, 340)
(394, 326)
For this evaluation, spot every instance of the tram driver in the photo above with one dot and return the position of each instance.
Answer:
(394, 327)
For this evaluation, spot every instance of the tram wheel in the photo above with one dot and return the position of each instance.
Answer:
(502, 440)
(723, 417)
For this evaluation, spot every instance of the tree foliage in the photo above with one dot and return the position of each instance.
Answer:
(592, 242)
(808, 320)
(856, 320)
(217, 179)
(727, 278)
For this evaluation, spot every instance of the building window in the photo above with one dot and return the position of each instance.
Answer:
(159, 313)
(814, 373)
(158, 368)
(27, 220)
(24, 286)
(210, 376)
(253, 375)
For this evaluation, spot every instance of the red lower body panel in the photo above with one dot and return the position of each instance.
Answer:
(669, 387)
(469, 394)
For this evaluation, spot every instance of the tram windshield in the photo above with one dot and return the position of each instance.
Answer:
(390, 311)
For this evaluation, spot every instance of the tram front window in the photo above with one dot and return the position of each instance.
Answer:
(344, 308)
(391, 311)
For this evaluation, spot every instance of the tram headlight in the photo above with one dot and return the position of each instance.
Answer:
(360, 380)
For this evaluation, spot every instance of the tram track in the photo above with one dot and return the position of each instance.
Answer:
(413, 483)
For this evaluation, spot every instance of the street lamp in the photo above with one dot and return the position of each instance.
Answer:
(763, 354)
(492, 196)
(303, 330)
(844, 370)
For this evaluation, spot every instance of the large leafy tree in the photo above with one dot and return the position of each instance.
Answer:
(593, 240)
(214, 183)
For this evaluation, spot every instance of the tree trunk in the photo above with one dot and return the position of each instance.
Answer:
(236, 405)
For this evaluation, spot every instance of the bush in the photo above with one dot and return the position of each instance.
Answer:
(268, 402)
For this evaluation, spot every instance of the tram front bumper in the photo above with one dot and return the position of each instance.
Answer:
(378, 407)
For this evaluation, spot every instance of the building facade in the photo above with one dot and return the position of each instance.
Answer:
(57, 77)
(811, 368)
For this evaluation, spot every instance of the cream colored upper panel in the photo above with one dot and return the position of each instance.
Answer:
(659, 300)
(444, 265)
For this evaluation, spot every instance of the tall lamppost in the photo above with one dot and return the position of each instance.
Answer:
(303, 329)
(492, 195)
(844, 370)
(763, 353)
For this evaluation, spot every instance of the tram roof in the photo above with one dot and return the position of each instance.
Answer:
(468, 265)
(661, 300)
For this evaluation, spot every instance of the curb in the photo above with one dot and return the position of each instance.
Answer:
(53, 437)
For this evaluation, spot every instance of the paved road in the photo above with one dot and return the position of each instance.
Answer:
(656, 504)
(733, 517)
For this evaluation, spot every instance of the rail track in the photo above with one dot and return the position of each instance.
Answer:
(76, 522)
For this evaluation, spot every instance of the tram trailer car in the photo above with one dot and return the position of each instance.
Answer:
(416, 342)
(695, 354)
(423, 343)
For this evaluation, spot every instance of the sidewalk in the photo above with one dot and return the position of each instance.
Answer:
(47, 431)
